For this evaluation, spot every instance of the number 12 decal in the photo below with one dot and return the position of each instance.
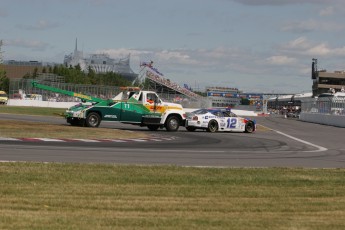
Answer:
(231, 123)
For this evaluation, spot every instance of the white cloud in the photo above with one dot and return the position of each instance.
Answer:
(303, 48)
(40, 25)
(321, 49)
(299, 44)
(280, 2)
(281, 60)
(327, 11)
(30, 44)
(122, 52)
(177, 56)
(311, 25)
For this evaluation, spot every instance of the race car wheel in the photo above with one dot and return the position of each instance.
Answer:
(153, 127)
(250, 127)
(212, 126)
(190, 129)
(172, 123)
(93, 120)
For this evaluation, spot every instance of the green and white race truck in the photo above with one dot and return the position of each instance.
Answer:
(143, 108)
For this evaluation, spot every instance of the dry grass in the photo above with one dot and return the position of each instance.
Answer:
(29, 110)
(24, 129)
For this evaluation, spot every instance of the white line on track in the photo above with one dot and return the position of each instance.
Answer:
(319, 148)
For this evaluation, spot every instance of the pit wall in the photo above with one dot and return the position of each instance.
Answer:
(325, 119)
(36, 103)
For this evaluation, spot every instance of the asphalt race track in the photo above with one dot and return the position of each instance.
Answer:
(278, 142)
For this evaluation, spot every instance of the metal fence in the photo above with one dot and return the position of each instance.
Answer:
(22, 89)
(325, 105)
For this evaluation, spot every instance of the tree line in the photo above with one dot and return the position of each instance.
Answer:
(72, 75)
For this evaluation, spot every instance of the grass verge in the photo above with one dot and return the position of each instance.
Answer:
(24, 129)
(92, 196)
(28, 110)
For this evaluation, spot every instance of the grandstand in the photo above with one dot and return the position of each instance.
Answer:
(160, 84)
(150, 78)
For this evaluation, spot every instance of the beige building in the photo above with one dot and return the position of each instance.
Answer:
(18, 69)
(324, 81)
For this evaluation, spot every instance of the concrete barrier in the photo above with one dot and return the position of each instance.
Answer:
(35, 103)
(326, 119)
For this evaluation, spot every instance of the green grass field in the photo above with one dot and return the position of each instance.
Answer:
(92, 196)
(104, 196)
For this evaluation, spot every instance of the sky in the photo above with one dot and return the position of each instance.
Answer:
(263, 46)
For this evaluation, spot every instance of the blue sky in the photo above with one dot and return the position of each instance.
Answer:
(254, 45)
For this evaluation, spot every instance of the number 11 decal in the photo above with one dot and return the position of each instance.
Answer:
(231, 123)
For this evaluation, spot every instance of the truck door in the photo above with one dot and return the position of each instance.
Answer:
(133, 110)
(152, 102)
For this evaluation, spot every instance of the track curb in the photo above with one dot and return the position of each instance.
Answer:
(119, 140)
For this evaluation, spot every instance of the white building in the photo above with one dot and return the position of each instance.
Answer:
(100, 63)
(223, 96)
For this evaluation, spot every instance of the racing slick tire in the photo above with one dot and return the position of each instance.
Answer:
(190, 129)
(93, 120)
(153, 127)
(250, 127)
(212, 126)
(172, 123)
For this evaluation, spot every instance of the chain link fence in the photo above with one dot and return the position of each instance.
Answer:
(325, 105)
(22, 89)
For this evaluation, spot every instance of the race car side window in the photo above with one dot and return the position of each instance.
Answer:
(226, 114)
(232, 114)
(217, 113)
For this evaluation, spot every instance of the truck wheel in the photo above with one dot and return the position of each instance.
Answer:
(153, 127)
(93, 120)
(212, 126)
(172, 123)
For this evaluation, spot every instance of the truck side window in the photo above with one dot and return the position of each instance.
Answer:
(130, 94)
(150, 98)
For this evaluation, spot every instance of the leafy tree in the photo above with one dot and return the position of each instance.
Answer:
(35, 73)
(204, 94)
(245, 101)
(76, 76)
(4, 81)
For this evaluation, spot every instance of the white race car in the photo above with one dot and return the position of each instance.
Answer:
(213, 120)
